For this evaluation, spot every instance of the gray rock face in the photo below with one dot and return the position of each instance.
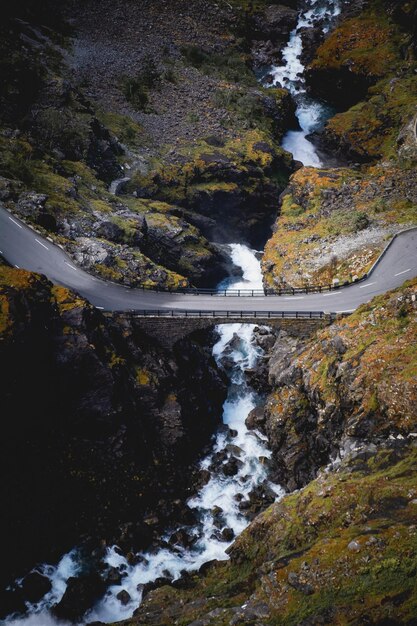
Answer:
(276, 23)
(312, 38)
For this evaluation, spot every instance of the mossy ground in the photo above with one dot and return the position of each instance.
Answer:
(307, 537)
(368, 44)
(370, 129)
(379, 344)
(323, 207)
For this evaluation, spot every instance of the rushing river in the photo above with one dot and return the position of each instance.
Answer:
(311, 114)
(217, 504)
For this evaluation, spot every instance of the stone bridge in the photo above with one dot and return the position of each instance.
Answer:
(168, 330)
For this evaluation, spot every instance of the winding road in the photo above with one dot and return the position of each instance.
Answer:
(24, 248)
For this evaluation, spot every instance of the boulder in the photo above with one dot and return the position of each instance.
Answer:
(124, 597)
(276, 23)
(256, 418)
(312, 38)
(81, 594)
(35, 586)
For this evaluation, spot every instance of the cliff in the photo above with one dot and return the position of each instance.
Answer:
(96, 419)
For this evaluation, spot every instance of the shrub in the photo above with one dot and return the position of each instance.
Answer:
(247, 107)
(195, 55)
(136, 93)
(231, 65)
(361, 221)
(63, 130)
(170, 76)
(15, 162)
(136, 89)
(150, 73)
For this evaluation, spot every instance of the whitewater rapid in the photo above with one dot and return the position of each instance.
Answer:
(311, 114)
(248, 262)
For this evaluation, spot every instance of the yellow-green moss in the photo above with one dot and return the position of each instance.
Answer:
(368, 44)
(304, 221)
(66, 299)
(370, 129)
(123, 127)
(308, 535)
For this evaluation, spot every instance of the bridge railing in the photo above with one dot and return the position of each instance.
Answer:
(278, 291)
(235, 315)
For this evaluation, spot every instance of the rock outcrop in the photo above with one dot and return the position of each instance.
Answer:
(352, 388)
(229, 190)
(96, 419)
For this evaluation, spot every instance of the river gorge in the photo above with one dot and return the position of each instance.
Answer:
(220, 504)
(242, 412)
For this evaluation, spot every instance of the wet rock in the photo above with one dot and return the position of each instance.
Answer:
(256, 418)
(124, 597)
(227, 534)
(218, 459)
(155, 584)
(312, 38)
(231, 467)
(276, 23)
(202, 479)
(207, 566)
(186, 581)
(235, 450)
(135, 559)
(218, 517)
(227, 362)
(259, 499)
(35, 586)
(113, 576)
(180, 538)
(81, 594)
(265, 340)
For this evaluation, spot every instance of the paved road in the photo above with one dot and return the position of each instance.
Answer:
(24, 248)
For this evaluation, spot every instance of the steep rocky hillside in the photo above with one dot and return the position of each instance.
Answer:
(334, 223)
(97, 418)
(175, 116)
(342, 550)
